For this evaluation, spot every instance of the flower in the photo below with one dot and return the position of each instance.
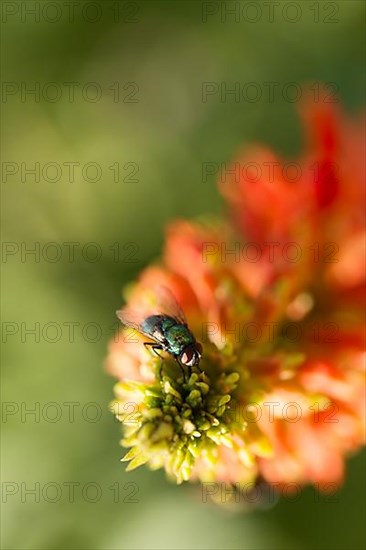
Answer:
(280, 391)
(175, 422)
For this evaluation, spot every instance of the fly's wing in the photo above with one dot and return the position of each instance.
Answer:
(162, 302)
(167, 304)
(133, 319)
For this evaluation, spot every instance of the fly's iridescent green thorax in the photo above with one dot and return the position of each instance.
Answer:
(176, 335)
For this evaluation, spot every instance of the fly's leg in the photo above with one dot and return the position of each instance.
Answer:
(154, 348)
(182, 368)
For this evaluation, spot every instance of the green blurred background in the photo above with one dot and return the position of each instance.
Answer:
(167, 50)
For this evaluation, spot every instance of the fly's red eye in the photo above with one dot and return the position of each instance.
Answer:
(191, 355)
(188, 357)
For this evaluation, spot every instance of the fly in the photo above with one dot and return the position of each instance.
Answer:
(167, 328)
